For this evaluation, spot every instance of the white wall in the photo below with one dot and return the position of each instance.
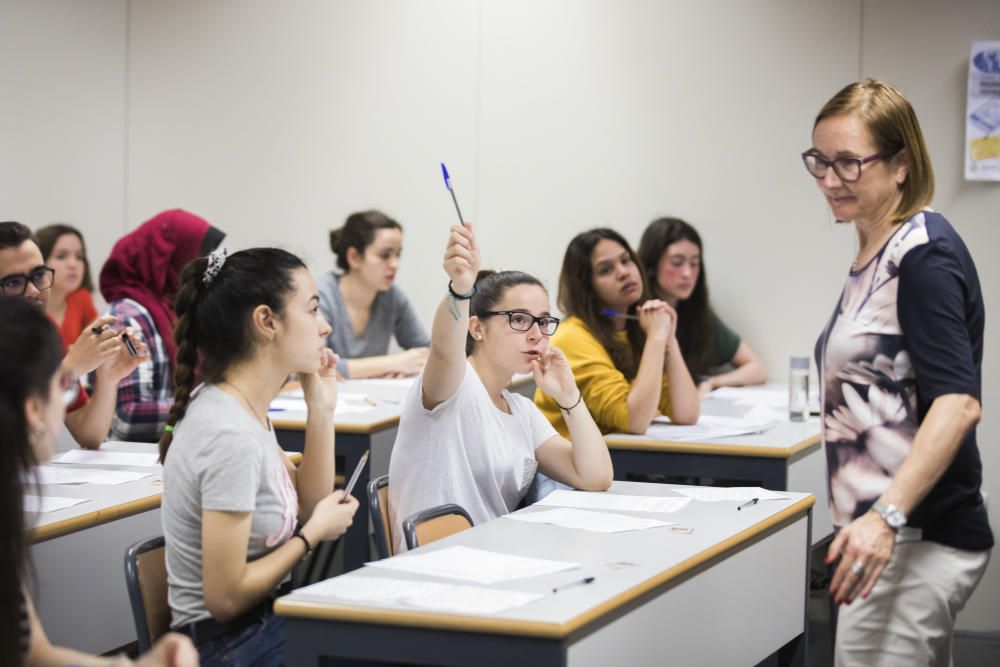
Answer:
(275, 120)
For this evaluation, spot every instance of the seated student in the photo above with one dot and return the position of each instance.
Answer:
(70, 304)
(620, 345)
(363, 305)
(23, 274)
(139, 281)
(33, 390)
(671, 253)
(232, 500)
(463, 438)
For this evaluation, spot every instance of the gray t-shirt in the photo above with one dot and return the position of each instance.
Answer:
(464, 451)
(220, 459)
(391, 315)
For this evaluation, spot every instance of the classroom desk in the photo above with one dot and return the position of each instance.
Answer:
(79, 552)
(656, 598)
(787, 457)
(373, 430)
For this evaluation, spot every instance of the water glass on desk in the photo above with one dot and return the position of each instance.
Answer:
(798, 389)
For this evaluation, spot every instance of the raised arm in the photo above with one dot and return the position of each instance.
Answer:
(446, 362)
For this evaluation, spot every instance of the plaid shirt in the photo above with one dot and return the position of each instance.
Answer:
(144, 396)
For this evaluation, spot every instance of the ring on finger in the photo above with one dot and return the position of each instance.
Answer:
(858, 568)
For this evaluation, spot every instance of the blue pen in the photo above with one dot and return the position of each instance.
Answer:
(276, 409)
(447, 183)
(611, 313)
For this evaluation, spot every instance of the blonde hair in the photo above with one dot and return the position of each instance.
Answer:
(895, 129)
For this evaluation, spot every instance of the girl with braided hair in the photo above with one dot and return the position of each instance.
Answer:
(232, 499)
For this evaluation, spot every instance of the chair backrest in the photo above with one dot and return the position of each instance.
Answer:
(146, 579)
(435, 523)
(378, 507)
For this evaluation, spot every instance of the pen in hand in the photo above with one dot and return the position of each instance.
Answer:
(579, 582)
(752, 501)
(611, 313)
(447, 183)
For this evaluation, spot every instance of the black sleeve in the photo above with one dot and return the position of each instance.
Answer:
(931, 305)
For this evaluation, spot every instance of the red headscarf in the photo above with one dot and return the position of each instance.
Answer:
(145, 265)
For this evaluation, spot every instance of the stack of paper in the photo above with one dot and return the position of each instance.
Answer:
(476, 565)
(600, 522)
(714, 494)
(456, 598)
(107, 458)
(709, 427)
(612, 501)
(73, 475)
(43, 504)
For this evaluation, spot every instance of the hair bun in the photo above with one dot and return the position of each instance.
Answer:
(484, 274)
(335, 240)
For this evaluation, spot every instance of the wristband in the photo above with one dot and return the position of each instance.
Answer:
(461, 297)
(305, 541)
(566, 410)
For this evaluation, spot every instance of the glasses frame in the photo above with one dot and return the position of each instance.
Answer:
(860, 161)
(534, 320)
(28, 277)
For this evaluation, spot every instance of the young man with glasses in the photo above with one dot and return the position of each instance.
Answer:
(23, 274)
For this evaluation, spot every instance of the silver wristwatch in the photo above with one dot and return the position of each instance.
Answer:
(892, 515)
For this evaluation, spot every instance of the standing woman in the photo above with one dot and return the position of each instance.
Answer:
(463, 438)
(33, 398)
(621, 346)
(237, 516)
(139, 282)
(900, 365)
(363, 305)
(70, 303)
(672, 255)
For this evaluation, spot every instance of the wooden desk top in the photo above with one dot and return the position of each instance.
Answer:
(719, 531)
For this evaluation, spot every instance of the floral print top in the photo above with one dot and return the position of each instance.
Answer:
(907, 329)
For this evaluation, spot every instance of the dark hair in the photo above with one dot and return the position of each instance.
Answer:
(30, 354)
(213, 329)
(695, 326)
(48, 236)
(358, 232)
(13, 234)
(490, 288)
(577, 298)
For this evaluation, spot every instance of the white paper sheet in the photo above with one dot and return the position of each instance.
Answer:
(600, 522)
(107, 458)
(44, 504)
(455, 598)
(612, 501)
(475, 565)
(714, 494)
(73, 475)
(709, 427)
(346, 404)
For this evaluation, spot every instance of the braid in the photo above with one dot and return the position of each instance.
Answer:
(186, 337)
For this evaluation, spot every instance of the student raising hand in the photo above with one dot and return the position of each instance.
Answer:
(461, 258)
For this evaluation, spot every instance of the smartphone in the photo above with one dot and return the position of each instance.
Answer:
(129, 345)
(355, 475)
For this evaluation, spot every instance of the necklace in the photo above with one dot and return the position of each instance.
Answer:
(249, 404)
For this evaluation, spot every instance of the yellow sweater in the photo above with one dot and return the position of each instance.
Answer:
(605, 390)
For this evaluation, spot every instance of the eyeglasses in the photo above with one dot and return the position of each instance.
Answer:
(522, 321)
(17, 284)
(848, 169)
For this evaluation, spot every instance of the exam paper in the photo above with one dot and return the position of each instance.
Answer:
(346, 404)
(108, 458)
(72, 475)
(612, 501)
(476, 565)
(708, 427)
(600, 522)
(456, 598)
(43, 504)
(714, 494)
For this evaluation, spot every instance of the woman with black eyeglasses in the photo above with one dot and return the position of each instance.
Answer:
(900, 365)
(463, 438)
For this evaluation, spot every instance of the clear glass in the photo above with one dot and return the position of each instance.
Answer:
(798, 389)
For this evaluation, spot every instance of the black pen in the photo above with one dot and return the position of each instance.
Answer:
(752, 501)
(129, 345)
(581, 582)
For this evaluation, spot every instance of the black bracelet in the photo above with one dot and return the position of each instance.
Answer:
(305, 541)
(462, 297)
(566, 410)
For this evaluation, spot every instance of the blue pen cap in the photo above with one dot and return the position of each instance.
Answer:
(447, 178)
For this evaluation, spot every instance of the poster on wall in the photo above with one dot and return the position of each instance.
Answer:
(982, 115)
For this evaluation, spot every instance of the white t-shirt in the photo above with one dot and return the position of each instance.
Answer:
(464, 451)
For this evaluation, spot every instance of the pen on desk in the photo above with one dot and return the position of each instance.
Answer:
(579, 582)
(611, 313)
(447, 183)
(752, 501)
